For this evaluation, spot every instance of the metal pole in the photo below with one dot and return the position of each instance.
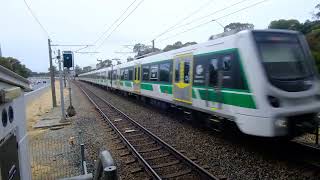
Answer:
(317, 130)
(152, 45)
(53, 86)
(64, 78)
(71, 111)
(63, 117)
(69, 82)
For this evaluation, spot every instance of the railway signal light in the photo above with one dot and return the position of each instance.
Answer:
(67, 59)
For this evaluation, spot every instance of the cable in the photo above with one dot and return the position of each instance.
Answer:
(119, 24)
(185, 18)
(247, 7)
(114, 22)
(35, 17)
(215, 12)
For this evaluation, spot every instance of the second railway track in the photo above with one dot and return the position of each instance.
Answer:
(158, 158)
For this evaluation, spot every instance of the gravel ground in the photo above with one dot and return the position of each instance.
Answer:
(97, 135)
(224, 155)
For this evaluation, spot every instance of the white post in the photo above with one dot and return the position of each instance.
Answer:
(63, 117)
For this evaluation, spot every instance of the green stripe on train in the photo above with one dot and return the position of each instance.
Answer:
(145, 86)
(230, 98)
(166, 89)
(128, 84)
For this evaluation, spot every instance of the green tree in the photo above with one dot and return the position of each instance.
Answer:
(177, 45)
(317, 14)
(142, 49)
(291, 24)
(129, 58)
(15, 66)
(238, 27)
(55, 70)
(78, 70)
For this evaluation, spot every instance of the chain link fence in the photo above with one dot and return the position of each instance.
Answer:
(55, 156)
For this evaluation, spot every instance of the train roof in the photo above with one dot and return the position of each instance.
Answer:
(184, 50)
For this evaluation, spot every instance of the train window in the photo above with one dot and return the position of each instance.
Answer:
(213, 70)
(145, 73)
(126, 74)
(139, 69)
(177, 70)
(226, 62)
(154, 73)
(114, 74)
(165, 72)
(122, 74)
(199, 75)
(135, 73)
(186, 75)
(130, 74)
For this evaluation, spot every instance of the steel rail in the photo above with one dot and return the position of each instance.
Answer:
(204, 174)
(136, 153)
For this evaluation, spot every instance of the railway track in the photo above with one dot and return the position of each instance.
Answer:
(159, 159)
(310, 159)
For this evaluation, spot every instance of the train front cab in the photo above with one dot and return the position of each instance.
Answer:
(282, 75)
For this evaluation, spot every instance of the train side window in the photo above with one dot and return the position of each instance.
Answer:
(135, 73)
(130, 74)
(145, 73)
(139, 69)
(154, 73)
(186, 75)
(126, 74)
(213, 71)
(114, 74)
(165, 72)
(227, 62)
(177, 70)
(122, 74)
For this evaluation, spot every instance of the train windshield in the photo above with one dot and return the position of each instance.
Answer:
(282, 55)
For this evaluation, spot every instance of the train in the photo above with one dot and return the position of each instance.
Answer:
(263, 81)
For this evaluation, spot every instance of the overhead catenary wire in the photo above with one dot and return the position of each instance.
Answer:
(36, 19)
(202, 24)
(197, 19)
(119, 24)
(185, 18)
(123, 13)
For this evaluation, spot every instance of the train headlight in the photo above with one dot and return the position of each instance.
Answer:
(282, 123)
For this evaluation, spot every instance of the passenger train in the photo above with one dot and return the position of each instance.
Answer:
(264, 81)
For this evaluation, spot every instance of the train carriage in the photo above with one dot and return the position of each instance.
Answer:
(263, 80)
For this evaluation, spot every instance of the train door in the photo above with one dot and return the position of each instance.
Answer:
(118, 78)
(114, 78)
(182, 78)
(214, 80)
(137, 78)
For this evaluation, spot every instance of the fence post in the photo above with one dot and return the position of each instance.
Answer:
(317, 130)
(105, 167)
(83, 168)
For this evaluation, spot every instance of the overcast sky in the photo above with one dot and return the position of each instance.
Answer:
(83, 21)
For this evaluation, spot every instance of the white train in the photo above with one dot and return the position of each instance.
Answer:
(265, 81)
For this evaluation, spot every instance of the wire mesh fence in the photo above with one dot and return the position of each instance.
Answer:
(55, 157)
